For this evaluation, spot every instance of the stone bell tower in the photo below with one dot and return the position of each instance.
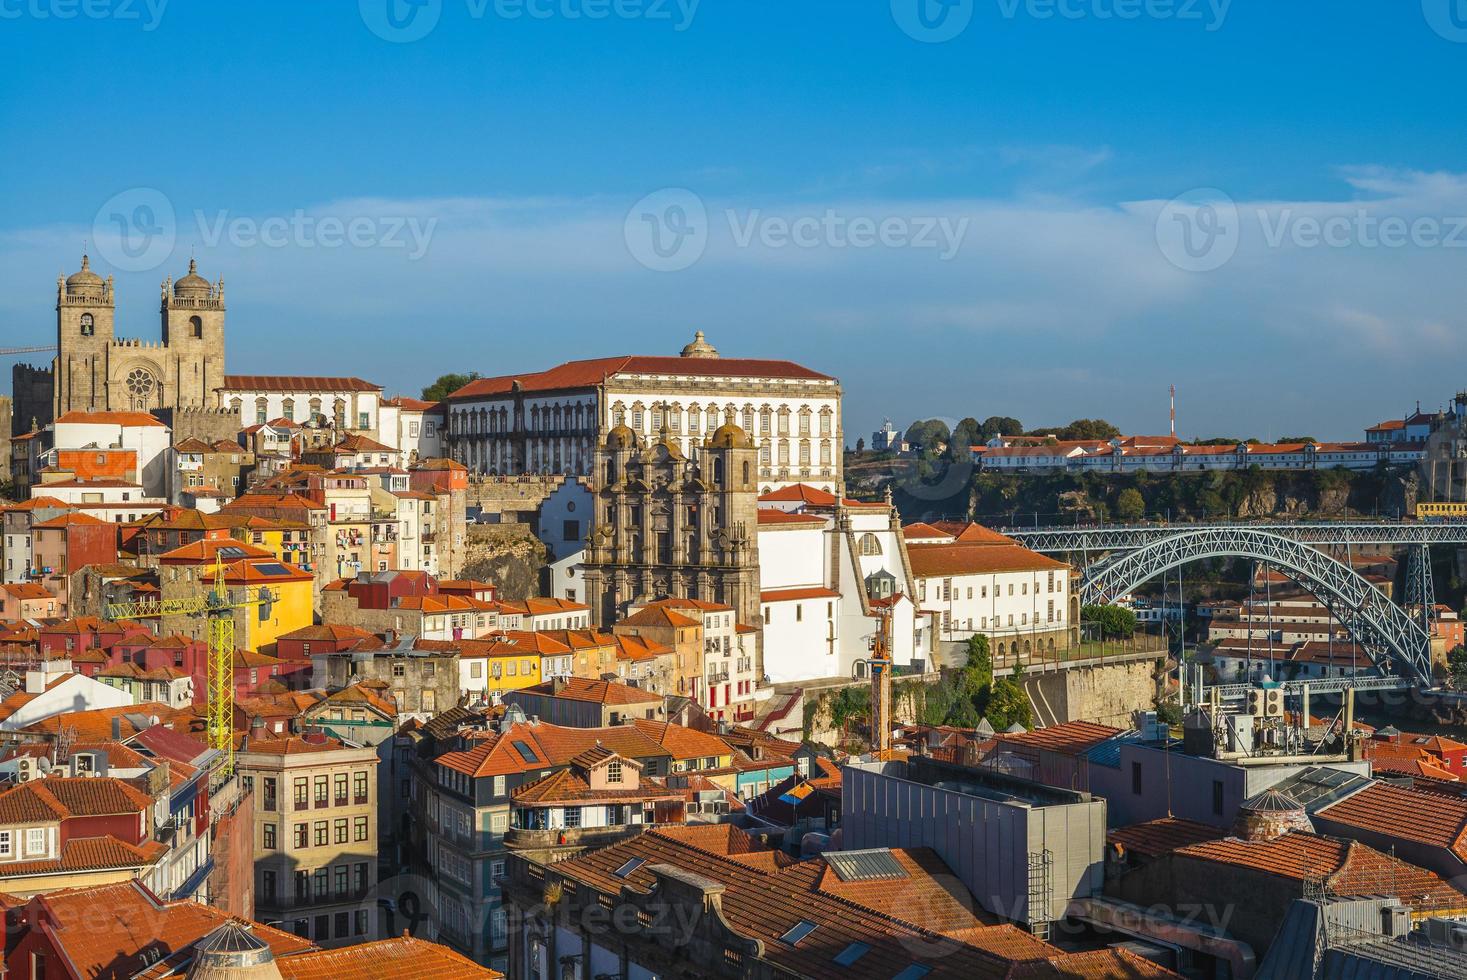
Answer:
(84, 324)
(193, 336)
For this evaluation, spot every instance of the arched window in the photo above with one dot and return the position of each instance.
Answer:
(196, 327)
(869, 544)
(287, 409)
(88, 327)
(262, 410)
(747, 474)
(236, 405)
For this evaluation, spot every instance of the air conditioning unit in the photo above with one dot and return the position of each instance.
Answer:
(1273, 702)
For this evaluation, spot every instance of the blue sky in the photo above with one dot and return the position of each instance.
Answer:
(502, 174)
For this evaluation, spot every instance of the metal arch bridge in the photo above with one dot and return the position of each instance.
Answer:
(1145, 552)
(1129, 537)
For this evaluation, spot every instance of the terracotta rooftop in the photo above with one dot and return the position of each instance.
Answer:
(1404, 814)
(1156, 837)
(294, 383)
(596, 692)
(588, 373)
(1070, 738)
(938, 560)
(403, 958)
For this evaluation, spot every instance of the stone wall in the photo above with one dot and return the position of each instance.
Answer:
(33, 390)
(1108, 694)
(6, 406)
(209, 424)
(514, 498)
(506, 555)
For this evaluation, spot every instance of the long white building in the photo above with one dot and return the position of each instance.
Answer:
(550, 422)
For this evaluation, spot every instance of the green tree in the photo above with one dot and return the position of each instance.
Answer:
(967, 433)
(1457, 667)
(1130, 505)
(980, 660)
(860, 445)
(1115, 622)
(1007, 704)
(447, 385)
(928, 435)
(1001, 425)
(1088, 429)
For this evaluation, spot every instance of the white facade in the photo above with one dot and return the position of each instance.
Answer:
(564, 518)
(552, 421)
(414, 428)
(55, 695)
(352, 404)
(828, 570)
(138, 431)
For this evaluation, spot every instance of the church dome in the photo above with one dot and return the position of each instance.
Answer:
(700, 347)
(193, 285)
(85, 282)
(730, 436)
(1270, 815)
(621, 437)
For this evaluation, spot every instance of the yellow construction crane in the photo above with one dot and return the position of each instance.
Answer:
(217, 605)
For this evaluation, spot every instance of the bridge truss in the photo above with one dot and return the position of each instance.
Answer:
(1106, 538)
(1385, 629)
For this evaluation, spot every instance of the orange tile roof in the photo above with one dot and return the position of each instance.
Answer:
(935, 560)
(205, 551)
(769, 517)
(403, 958)
(1069, 738)
(1350, 868)
(1405, 814)
(1157, 837)
(70, 520)
(293, 383)
(595, 692)
(765, 893)
(110, 418)
(683, 743)
(568, 786)
(588, 373)
(659, 616)
(120, 930)
(84, 854)
(792, 595)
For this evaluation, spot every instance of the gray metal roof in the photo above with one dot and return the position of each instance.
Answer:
(1320, 786)
(876, 864)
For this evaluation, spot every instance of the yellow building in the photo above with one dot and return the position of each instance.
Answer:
(291, 608)
(504, 662)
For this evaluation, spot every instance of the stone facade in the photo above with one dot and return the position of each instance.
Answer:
(95, 371)
(669, 526)
(7, 407)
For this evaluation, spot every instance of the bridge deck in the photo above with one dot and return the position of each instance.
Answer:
(1128, 537)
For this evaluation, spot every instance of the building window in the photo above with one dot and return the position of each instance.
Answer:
(1217, 797)
(267, 884)
(301, 792)
(269, 837)
(360, 828)
(1136, 778)
(870, 544)
(322, 833)
(35, 841)
(6, 847)
(341, 830)
(613, 772)
(88, 325)
(321, 787)
(359, 787)
(302, 836)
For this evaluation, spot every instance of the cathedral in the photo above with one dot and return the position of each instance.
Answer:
(95, 371)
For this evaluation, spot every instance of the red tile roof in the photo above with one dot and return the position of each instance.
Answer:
(596, 692)
(110, 418)
(1348, 867)
(1070, 738)
(940, 560)
(403, 958)
(791, 595)
(1404, 814)
(1157, 837)
(292, 383)
(588, 373)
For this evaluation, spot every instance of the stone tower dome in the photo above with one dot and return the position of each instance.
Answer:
(193, 285)
(700, 347)
(85, 283)
(730, 436)
(1270, 815)
(233, 952)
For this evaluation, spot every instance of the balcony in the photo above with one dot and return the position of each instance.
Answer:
(519, 839)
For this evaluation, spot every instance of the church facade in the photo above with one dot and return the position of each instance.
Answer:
(96, 371)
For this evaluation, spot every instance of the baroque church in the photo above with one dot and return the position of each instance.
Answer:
(96, 371)
(670, 526)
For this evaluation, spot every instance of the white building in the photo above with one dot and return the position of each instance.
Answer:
(350, 403)
(564, 518)
(973, 580)
(552, 421)
(55, 690)
(412, 426)
(829, 570)
(139, 432)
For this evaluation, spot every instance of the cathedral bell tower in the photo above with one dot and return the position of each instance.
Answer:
(193, 335)
(84, 311)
